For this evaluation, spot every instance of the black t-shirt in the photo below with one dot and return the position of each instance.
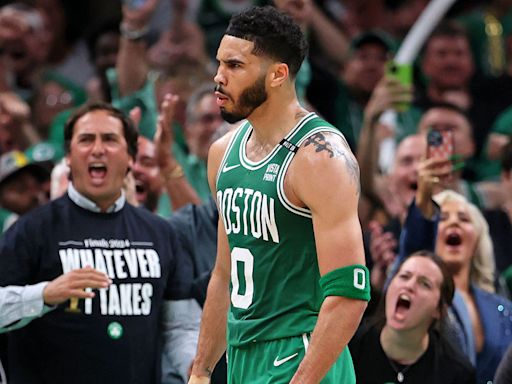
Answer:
(196, 229)
(440, 364)
(114, 338)
(500, 229)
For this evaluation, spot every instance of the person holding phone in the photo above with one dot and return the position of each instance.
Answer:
(456, 229)
(454, 141)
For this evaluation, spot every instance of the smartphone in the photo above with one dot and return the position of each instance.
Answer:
(134, 4)
(403, 73)
(440, 143)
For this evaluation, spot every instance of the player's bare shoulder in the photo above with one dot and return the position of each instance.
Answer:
(327, 152)
(218, 148)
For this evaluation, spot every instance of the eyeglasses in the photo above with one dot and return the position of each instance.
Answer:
(53, 99)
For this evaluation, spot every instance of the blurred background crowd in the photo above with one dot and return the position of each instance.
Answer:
(56, 55)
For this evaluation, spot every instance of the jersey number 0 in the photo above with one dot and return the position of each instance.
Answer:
(244, 258)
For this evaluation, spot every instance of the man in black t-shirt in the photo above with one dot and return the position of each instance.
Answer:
(90, 239)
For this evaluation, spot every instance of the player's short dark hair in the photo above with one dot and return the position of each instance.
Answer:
(129, 131)
(506, 156)
(273, 33)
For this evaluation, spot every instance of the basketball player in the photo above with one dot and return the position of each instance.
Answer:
(289, 279)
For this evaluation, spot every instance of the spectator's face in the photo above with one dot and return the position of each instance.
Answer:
(240, 78)
(98, 157)
(456, 236)
(404, 17)
(366, 67)
(51, 99)
(27, 50)
(404, 174)
(441, 118)
(22, 193)
(413, 295)
(185, 44)
(199, 132)
(148, 183)
(55, 22)
(447, 62)
(106, 49)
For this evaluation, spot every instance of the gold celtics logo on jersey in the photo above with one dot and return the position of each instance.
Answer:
(248, 212)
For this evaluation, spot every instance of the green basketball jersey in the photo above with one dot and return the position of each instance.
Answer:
(274, 287)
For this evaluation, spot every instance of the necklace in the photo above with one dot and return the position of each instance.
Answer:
(399, 372)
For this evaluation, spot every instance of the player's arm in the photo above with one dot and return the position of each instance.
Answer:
(325, 177)
(212, 335)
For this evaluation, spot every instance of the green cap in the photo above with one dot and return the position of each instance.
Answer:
(13, 162)
(45, 151)
(374, 36)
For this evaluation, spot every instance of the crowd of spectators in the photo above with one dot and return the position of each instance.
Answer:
(154, 60)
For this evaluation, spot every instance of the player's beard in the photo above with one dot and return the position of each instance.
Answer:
(250, 99)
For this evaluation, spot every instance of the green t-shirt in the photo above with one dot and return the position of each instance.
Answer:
(144, 98)
(7, 218)
(196, 174)
(485, 168)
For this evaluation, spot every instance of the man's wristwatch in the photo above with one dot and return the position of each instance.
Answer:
(133, 34)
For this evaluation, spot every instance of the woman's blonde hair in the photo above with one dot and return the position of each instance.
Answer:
(482, 263)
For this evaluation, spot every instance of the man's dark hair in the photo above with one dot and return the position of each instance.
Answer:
(450, 29)
(447, 288)
(447, 291)
(506, 156)
(273, 33)
(97, 30)
(453, 108)
(449, 106)
(129, 131)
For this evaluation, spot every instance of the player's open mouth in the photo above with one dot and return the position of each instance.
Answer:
(413, 186)
(221, 99)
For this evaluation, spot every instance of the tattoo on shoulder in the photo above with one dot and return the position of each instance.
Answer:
(323, 144)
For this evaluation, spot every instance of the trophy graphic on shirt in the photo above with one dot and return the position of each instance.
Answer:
(73, 305)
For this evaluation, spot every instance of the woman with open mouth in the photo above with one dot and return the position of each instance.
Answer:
(456, 229)
(408, 345)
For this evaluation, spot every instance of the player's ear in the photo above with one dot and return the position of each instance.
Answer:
(279, 74)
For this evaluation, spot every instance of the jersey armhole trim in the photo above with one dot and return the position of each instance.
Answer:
(228, 150)
(301, 211)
